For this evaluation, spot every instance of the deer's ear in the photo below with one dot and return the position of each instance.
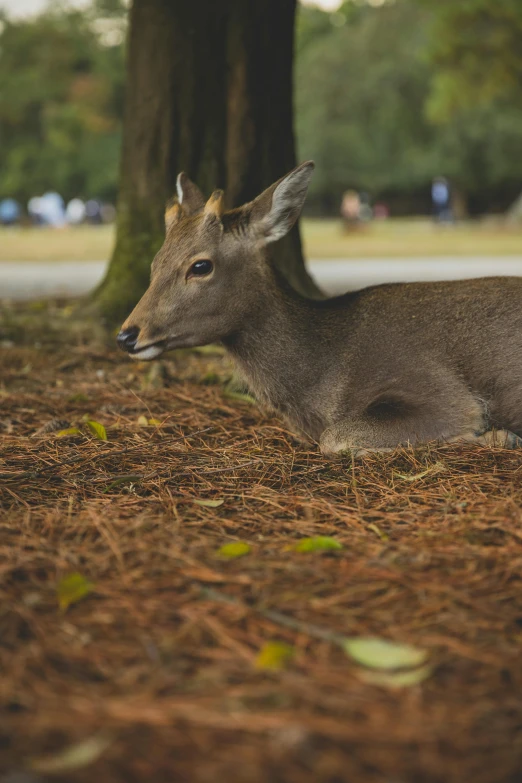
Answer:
(189, 195)
(172, 215)
(276, 210)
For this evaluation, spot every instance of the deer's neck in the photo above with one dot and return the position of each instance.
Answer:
(277, 350)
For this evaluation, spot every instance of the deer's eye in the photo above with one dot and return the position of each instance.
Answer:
(200, 268)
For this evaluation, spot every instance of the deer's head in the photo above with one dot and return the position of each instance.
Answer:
(205, 280)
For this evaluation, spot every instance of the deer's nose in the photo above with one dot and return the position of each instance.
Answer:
(128, 338)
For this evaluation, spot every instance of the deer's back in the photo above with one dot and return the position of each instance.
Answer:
(470, 327)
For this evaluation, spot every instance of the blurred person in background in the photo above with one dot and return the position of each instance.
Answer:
(93, 212)
(75, 212)
(52, 207)
(441, 197)
(381, 211)
(35, 211)
(365, 209)
(350, 209)
(10, 212)
(108, 213)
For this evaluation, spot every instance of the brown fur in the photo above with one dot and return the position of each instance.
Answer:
(386, 366)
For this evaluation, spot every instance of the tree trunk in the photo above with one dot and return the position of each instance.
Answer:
(209, 92)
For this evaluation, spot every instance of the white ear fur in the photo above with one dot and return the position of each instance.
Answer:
(179, 189)
(189, 195)
(287, 202)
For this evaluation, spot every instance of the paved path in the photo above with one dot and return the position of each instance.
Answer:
(28, 280)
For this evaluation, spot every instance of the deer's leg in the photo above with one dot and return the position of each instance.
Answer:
(357, 438)
(394, 420)
(504, 439)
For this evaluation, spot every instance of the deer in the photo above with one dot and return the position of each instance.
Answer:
(389, 366)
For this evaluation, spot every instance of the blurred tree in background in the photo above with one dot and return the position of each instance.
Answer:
(61, 102)
(387, 97)
(370, 98)
(476, 48)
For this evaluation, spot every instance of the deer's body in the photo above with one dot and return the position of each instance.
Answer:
(389, 364)
(386, 366)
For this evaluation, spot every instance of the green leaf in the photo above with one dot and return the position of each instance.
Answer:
(129, 478)
(208, 350)
(232, 395)
(209, 503)
(396, 679)
(210, 378)
(69, 432)
(73, 588)
(274, 656)
(234, 549)
(381, 654)
(97, 429)
(378, 532)
(75, 756)
(144, 422)
(317, 544)
(79, 397)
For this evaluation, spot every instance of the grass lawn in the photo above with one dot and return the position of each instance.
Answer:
(322, 239)
(159, 668)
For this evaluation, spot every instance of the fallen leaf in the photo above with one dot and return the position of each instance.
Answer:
(81, 754)
(79, 397)
(69, 432)
(155, 423)
(232, 395)
(142, 421)
(274, 655)
(209, 503)
(210, 378)
(130, 478)
(97, 429)
(377, 653)
(72, 588)
(396, 679)
(208, 350)
(317, 544)
(378, 532)
(234, 549)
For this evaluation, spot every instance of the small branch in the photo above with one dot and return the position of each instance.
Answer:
(278, 618)
(213, 471)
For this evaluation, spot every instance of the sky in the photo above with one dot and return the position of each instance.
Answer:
(27, 7)
(24, 7)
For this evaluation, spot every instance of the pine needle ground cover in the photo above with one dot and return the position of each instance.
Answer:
(187, 593)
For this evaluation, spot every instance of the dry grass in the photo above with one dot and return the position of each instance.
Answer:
(159, 663)
(400, 238)
(322, 239)
(83, 243)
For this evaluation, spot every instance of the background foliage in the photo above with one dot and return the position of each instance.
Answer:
(387, 97)
(61, 103)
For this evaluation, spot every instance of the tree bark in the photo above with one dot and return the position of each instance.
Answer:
(209, 92)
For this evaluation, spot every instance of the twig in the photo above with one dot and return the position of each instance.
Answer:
(277, 617)
(213, 471)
